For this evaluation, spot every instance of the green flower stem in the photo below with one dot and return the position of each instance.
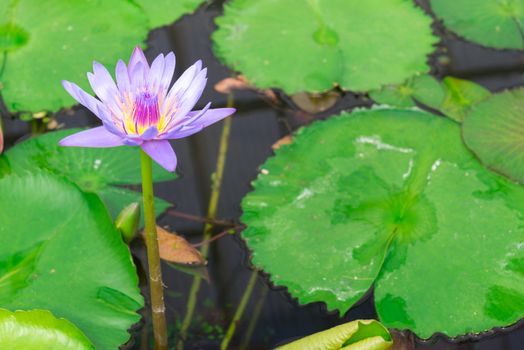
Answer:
(208, 228)
(240, 310)
(153, 255)
(254, 319)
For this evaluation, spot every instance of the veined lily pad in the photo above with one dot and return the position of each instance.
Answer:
(493, 23)
(93, 170)
(391, 198)
(461, 96)
(494, 131)
(423, 88)
(39, 329)
(162, 12)
(59, 251)
(324, 43)
(453, 97)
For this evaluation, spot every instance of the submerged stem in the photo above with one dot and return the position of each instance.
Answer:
(240, 310)
(153, 255)
(254, 319)
(208, 228)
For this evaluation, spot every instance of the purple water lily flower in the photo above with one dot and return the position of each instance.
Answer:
(141, 110)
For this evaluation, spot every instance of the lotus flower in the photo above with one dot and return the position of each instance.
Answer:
(141, 109)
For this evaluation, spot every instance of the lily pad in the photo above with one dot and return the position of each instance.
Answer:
(39, 329)
(423, 88)
(355, 335)
(45, 43)
(54, 41)
(493, 23)
(59, 251)
(97, 170)
(163, 12)
(391, 198)
(453, 97)
(494, 131)
(461, 96)
(324, 43)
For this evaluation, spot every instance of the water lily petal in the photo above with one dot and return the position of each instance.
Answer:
(192, 94)
(199, 120)
(136, 57)
(81, 96)
(122, 77)
(150, 133)
(98, 137)
(169, 70)
(179, 87)
(155, 73)
(194, 115)
(132, 140)
(108, 122)
(105, 88)
(102, 83)
(138, 77)
(210, 116)
(185, 132)
(162, 153)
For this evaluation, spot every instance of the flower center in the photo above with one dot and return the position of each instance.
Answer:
(146, 111)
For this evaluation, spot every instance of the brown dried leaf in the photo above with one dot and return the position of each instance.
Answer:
(286, 140)
(193, 270)
(176, 249)
(225, 86)
(269, 94)
(315, 103)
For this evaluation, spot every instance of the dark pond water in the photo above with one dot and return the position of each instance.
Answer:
(255, 128)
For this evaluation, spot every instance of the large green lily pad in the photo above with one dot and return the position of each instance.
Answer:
(39, 329)
(360, 45)
(61, 44)
(98, 170)
(453, 97)
(59, 251)
(494, 131)
(391, 198)
(493, 23)
(43, 43)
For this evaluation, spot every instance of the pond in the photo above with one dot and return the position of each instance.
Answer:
(272, 316)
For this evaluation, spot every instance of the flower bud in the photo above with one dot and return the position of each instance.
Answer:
(128, 220)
